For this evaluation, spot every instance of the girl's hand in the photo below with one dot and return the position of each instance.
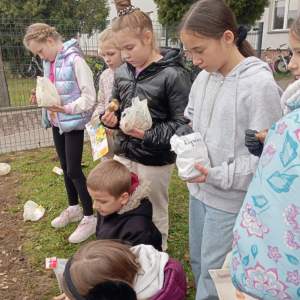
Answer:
(61, 297)
(203, 177)
(57, 108)
(109, 119)
(109, 131)
(33, 100)
(137, 133)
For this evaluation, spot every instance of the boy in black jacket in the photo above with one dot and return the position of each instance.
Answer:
(124, 211)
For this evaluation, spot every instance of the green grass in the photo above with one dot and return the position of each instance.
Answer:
(19, 90)
(44, 187)
(278, 77)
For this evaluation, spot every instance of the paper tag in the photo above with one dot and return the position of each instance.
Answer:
(57, 170)
(50, 262)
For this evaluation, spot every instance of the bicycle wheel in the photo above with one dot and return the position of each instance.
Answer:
(28, 70)
(280, 67)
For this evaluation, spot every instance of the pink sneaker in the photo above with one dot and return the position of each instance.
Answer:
(84, 230)
(66, 217)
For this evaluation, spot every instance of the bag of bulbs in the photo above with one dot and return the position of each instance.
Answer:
(46, 93)
(137, 116)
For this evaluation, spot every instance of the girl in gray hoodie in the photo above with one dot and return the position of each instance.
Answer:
(235, 90)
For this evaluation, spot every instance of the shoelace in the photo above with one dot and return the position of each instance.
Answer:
(81, 224)
(65, 212)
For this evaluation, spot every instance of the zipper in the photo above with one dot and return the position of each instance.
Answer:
(212, 109)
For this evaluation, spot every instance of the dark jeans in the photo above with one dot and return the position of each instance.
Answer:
(69, 147)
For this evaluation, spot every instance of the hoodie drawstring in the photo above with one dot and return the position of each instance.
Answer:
(231, 154)
(197, 126)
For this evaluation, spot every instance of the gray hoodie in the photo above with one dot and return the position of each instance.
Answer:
(221, 109)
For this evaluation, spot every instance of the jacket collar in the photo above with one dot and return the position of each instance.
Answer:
(141, 192)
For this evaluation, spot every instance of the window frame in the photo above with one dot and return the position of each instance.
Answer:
(285, 20)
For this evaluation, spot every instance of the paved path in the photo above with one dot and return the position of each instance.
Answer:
(283, 84)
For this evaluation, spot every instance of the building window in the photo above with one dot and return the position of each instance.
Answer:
(284, 13)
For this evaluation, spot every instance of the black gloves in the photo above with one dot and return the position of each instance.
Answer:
(184, 130)
(253, 143)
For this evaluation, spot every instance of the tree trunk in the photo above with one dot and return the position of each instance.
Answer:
(4, 94)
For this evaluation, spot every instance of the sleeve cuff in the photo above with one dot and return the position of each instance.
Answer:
(214, 177)
(68, 109)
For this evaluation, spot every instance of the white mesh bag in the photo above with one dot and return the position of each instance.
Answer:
(46, 93)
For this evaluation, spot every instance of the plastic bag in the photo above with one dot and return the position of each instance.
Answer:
(137, 115)
(46, 93)
(190, 149)
(32, 211)
(4, 169)
(59, 272)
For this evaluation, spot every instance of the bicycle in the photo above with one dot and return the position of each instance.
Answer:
(268, 60)
(97, 65)
(31, 70)
(281, 65)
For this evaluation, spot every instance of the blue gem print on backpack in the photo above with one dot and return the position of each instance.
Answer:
(281, 182)
(289, 152)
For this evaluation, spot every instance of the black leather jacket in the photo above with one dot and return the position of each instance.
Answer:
(166, 86)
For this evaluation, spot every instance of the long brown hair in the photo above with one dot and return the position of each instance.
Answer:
(101, 261)
(211, 18)
(295, 28)
(137, 21)
(40, 32)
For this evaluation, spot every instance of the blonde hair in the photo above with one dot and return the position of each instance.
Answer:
(40, 32)
(110, 176)
(101, 261)
(105, 35)
(137, 22)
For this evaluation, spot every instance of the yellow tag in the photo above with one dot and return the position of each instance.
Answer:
(53, 115)
(40, 208)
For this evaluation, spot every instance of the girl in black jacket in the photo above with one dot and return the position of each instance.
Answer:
(160, 77)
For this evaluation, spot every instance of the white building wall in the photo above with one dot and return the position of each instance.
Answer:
(147, 6)
(272, 38)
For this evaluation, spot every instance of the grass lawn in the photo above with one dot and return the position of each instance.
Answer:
(44, 187)
(19, 90)
(282, 77)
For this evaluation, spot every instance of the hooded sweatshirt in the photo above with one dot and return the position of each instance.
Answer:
(150, 277)
(221, 109)
(133, 222)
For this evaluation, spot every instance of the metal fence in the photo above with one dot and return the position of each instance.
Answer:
(20, 122)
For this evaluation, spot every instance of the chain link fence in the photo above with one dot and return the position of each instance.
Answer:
(20, 122)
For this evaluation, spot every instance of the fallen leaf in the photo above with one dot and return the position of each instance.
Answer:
(193, 285)
(5, 233)
(38, 247)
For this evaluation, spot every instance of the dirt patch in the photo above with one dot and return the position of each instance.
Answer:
(19, 279)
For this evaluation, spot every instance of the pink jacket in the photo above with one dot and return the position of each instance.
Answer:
(175, 285)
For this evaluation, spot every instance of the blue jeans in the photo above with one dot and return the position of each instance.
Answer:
(211, 239)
